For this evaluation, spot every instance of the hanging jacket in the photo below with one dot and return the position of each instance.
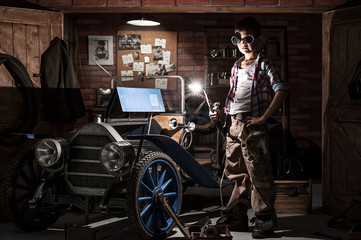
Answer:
(62, 98)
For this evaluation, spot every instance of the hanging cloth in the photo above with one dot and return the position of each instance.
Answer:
(62, 98)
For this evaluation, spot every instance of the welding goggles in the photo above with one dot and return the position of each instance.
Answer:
(237, 39)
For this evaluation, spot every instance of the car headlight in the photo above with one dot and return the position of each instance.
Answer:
(50, 153)
(117, 157)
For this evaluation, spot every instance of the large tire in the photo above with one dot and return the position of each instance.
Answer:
(20, 184)
(22, 112)
(153, 176)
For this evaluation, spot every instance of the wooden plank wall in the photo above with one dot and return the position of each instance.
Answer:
(25, 34)
(341, 116)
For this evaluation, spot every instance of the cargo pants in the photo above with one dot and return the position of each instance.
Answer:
(248, 165)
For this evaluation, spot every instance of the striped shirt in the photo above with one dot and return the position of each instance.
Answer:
(266, 81)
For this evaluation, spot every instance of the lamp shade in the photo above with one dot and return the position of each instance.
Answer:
(143, 21)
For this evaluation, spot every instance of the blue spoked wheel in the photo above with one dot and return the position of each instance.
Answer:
(21, 182)
(154, 177)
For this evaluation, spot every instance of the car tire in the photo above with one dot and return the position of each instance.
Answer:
(19, 186)
(154, 173)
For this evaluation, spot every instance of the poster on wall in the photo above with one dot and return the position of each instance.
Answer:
(146, 53)
(100, 50)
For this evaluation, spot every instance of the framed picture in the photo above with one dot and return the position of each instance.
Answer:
(100, 50)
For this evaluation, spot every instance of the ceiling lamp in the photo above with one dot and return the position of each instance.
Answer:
(143, 21)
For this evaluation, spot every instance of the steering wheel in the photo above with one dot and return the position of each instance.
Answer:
(197, 111)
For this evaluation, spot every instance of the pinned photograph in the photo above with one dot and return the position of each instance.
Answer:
(141, 76)
(166, 58)
(154, 69)
(160, 42)
(138, 66)
(136, 56)
(170, 67)
(157, 53)
(129, 42)
(100, 50)
(145, 49)
(161, 83)
(127, 75)
(127, 58)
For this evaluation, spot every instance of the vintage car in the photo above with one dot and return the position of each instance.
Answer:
(127, 163)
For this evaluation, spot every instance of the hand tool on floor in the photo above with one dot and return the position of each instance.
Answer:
(206, 230)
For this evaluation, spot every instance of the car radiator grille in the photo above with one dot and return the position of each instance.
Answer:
(83, 170)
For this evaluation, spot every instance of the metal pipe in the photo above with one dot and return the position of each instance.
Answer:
(207, 100)
(112, 83)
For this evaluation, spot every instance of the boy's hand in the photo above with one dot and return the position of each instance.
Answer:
(214, 115)
(251, 121)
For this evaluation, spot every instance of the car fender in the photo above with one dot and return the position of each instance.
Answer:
(181, 157)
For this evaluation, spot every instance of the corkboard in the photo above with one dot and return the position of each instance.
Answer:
(129, 47)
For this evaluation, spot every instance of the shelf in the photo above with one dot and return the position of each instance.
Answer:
(278, 113)
(202, 148)
(292, 181)
(204, 161)
(99, 109)
(236, 58)
(274, 58)
(223, 58)
(218, 86)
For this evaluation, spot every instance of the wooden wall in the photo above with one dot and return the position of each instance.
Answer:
(341, 125)
(25, 34)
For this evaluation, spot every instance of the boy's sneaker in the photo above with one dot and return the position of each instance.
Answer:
(263, 229)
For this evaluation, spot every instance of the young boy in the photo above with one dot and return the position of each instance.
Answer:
(256, 92)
